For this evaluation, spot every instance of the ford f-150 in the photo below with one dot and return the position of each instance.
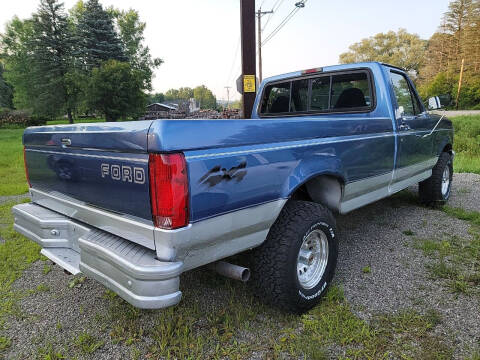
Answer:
(135, 204)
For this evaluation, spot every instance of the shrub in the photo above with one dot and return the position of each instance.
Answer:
(19, 118)
(36, 120)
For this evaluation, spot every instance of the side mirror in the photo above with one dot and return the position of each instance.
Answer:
(399, 112)
(434, 103)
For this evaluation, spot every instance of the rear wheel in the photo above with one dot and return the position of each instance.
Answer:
(294, 266)
(436, 189)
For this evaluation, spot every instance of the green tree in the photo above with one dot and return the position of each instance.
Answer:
(52, 59)
(38, 59)
(49, 58)
(76, 13)
(457, 39)
(455, 22)
(205, 97)
(184, 93)
(441, 84)
(171, 94)
(17, 55)
(131, 34)
(397, 48)
(6, 91)
(236, 104)
(437, 54)
(116, 90)
(96, 38)
(155, 98)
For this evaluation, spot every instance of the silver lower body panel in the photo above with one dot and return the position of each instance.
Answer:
(218, 237)
(129, 269)
(366, 191)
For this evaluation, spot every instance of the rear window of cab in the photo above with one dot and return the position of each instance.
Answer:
(339, 92)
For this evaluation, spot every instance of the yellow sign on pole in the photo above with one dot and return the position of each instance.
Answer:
(249, 83)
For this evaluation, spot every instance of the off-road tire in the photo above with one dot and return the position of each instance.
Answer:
(274, 263)
(430, 190)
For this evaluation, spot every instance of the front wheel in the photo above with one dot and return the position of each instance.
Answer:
(436, 189)
(294, 266)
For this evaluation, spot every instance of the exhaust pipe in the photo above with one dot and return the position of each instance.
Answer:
(231, 271)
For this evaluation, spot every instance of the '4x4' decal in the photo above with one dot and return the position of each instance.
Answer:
(218, 174)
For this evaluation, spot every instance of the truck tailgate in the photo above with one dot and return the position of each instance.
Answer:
(103, 165)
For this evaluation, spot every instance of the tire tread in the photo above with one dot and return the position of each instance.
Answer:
(271, 258)
(430, 190)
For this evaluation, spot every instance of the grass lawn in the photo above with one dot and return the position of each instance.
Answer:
(467, 143)
(457, 259)
(16, 254)
(12, 176)
(12, 171)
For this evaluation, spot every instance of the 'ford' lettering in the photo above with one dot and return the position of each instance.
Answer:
(123, 173)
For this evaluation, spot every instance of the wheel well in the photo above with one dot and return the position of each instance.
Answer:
(323, 189)
(448, 148)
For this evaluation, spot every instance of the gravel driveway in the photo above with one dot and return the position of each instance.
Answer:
(399, 280)
(381, 237)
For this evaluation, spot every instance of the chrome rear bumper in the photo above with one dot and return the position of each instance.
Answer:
(129, 269)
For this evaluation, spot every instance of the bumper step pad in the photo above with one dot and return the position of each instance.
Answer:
(129, 269)
(67, 258)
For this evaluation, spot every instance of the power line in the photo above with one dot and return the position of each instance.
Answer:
(285, 21)
(235, 57)
(275, 7)
(280, 26)
(238, 67)
(234, 62)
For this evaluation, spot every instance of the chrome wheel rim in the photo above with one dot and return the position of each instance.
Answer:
(446, 181)
(312, 259)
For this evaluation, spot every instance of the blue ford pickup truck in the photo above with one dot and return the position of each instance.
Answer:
(135, 204)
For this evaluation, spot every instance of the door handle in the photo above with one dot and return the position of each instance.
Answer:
(404, 127)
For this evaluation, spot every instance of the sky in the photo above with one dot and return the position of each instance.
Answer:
(198, 39)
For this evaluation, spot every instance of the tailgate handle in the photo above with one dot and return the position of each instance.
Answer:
(66, 142)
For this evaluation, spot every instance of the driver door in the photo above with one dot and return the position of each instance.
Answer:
(415, 146)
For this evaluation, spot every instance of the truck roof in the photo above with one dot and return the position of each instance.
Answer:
(368, 64)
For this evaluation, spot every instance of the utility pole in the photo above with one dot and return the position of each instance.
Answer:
(247, 25)
(260, 13)
(460, 83)
(228, 95)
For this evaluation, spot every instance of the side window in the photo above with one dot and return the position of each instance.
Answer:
(276, 98)
(350, 91)
(416, 102)
(403, 95)
(299, 100)
(320, 93)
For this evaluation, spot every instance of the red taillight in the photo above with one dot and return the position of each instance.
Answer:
(168, 190)
(26, 167)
